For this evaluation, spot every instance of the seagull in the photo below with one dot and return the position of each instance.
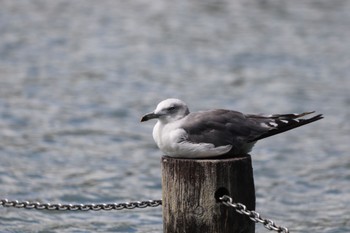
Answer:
(215, 133)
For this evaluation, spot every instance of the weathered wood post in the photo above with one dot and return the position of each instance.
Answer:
(190, 189)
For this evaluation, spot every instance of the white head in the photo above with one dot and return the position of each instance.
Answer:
(168, 110)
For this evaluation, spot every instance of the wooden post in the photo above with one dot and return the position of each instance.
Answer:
(191, 188)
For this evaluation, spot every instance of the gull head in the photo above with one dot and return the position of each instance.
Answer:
(168, 110)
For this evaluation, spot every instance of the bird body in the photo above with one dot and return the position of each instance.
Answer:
(213, 133)
(172, 139)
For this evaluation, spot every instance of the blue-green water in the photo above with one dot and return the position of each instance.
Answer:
(76, 76)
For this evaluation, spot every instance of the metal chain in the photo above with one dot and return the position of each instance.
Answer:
(83, 207)
(226, 200)
(254, 216)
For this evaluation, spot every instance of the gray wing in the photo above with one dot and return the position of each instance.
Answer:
(223, 127)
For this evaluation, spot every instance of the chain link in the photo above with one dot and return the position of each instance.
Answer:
(80, 207)
(254, 216)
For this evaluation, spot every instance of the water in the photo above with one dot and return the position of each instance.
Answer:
(76, 76)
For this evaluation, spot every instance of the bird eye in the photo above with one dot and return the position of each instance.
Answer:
(171, 108)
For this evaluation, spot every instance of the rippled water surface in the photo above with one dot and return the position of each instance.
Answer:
(76, 76)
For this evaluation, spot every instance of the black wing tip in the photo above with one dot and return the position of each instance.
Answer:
(307, 113)
(311, 119)
(303, 121)
(287, 127)
(315, 118)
